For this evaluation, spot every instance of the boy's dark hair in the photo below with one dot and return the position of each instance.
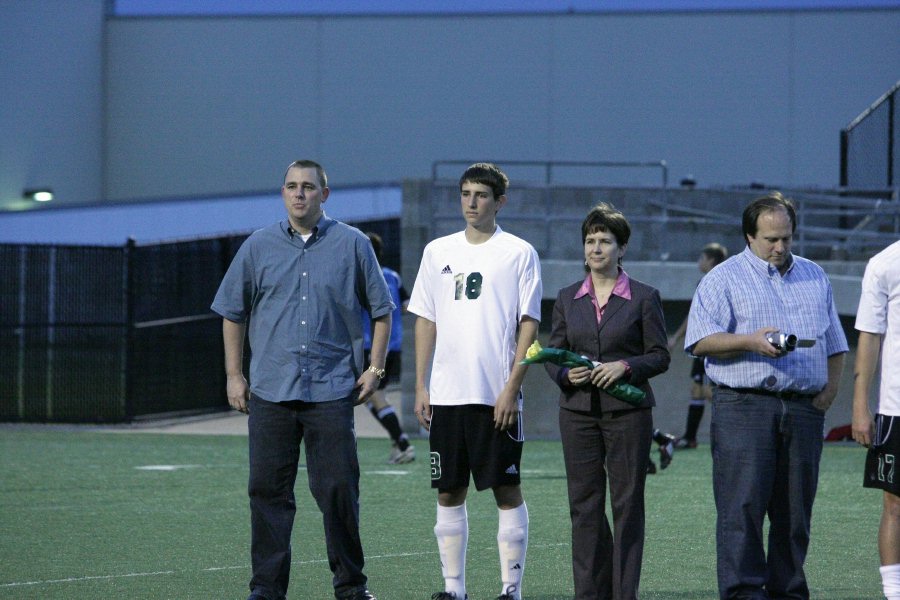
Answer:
(767, 203)
(715, 252)
(486, 174)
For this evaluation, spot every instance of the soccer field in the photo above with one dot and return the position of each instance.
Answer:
(88, 514)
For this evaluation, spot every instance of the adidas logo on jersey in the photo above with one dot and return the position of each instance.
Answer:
(512, 470)
(447, 270)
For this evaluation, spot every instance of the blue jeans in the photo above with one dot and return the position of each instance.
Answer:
(276, 430)
(766, 455)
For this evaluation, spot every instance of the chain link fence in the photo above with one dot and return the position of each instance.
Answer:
(114, 334)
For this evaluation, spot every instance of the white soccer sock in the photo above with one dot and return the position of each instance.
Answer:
(452, 533)
(890, 581)
(512, 540)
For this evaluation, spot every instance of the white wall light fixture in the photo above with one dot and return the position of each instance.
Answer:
(38, 194)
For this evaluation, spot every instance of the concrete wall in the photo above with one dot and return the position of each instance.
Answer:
(662, 250)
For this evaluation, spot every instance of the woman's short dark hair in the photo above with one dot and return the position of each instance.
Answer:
(768, 203)
(606, 217)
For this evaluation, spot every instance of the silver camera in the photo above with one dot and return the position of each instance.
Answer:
(787, 342)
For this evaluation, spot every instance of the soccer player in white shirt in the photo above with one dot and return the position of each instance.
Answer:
(478, 300)
(878, 322)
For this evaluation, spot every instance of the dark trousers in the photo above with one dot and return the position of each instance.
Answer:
(766, 455)
(276, 430)
(606, 565)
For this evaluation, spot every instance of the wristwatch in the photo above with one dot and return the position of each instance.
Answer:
(379, 373)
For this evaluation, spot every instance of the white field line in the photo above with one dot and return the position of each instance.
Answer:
(14, 584)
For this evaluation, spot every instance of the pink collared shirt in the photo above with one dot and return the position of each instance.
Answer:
(622, 288)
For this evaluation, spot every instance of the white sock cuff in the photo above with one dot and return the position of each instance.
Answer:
(513, 517)
(452, 514)
(890, 581)
(387, 410)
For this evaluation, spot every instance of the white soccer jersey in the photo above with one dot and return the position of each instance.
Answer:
(879, 312)
(476, 295)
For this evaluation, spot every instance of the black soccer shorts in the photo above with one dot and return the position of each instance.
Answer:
(464, 440)
(881, 459)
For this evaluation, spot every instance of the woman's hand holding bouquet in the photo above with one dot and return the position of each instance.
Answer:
(564, 358)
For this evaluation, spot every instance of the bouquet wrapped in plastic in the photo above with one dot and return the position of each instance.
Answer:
(564, 358)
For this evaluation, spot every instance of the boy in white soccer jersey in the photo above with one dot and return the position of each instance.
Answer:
(478, 299)
(878, 323)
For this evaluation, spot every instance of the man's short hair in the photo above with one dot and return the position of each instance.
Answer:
(486, 174)
(768, 203)
(308, 164)
(715, 252)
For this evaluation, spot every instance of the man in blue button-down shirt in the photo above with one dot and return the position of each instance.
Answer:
(302, 284)
(769, 404)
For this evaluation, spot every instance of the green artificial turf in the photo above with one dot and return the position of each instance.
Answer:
(81, 516)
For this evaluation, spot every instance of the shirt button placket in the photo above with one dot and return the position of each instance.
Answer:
(304, 331)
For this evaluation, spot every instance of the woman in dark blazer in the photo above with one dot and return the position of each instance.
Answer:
(617, 322)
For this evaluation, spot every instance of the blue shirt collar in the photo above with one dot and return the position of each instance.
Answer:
(319, 230)
(763, 266)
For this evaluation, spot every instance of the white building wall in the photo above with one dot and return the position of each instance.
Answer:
(146, 108)
(215, 105)
(51, 99)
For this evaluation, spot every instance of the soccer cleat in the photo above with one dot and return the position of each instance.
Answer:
(447, 596)
(360, 595)
(651, 467)
(666, 451)
(401, 457)
(685, 444)
(509, 594)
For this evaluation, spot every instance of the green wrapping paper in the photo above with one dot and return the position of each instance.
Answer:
(564, 358)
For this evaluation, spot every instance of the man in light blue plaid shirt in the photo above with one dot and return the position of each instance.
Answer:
(769, 402)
